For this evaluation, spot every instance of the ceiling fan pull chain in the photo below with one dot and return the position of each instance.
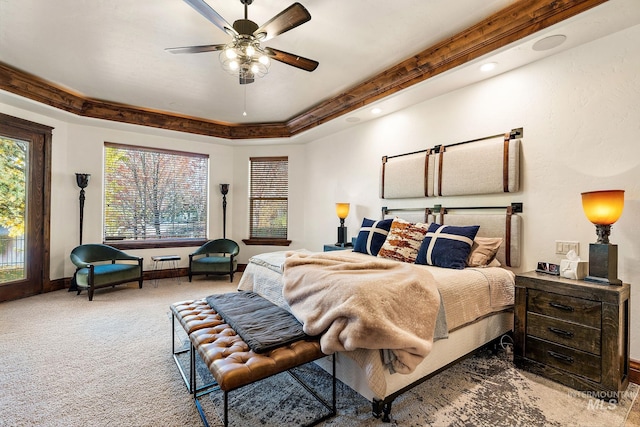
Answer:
(244, 113)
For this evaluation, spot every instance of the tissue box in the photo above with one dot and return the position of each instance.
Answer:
(574, 269)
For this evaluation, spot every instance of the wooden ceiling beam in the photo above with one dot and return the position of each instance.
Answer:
(512, 23)
(519, 20)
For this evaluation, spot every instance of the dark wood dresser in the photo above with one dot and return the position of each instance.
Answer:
(573, 332)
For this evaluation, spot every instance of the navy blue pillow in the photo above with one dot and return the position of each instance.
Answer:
(372, 235)
(447, 246)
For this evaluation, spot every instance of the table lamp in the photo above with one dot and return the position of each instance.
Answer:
(342, 210)
(603, 208)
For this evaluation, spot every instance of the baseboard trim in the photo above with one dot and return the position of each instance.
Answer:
(634, 371)
(57, 284)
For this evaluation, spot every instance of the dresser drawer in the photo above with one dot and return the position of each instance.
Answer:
(569, 334)
(570, 360)
(577, 310)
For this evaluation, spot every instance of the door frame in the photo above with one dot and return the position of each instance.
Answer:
(39, 212)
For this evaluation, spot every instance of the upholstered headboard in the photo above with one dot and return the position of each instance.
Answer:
(501, 222)
(481, 166)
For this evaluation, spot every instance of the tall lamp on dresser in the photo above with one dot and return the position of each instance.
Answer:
(576, 332)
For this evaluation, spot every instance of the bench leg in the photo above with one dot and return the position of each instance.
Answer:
(226, 409)
(330, 406)
(175, 354)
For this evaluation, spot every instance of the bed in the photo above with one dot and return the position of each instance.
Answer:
(476, 303)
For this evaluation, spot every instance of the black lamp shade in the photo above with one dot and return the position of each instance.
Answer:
(82, 179)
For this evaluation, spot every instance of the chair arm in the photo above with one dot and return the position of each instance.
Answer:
(79, 263)
(126, 257)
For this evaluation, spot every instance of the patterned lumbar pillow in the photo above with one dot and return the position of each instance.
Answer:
(403, 241)
(372, 235)
(447, 246)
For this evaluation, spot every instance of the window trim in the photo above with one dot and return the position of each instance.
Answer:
(158, 243)
(267, 241)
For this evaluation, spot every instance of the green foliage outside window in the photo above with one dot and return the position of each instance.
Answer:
(13, 154)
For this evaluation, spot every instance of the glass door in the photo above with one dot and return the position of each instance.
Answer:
(24, 230)
(14, 165)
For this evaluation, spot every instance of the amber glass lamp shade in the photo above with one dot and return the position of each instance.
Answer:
(603, 208)
(342, 210)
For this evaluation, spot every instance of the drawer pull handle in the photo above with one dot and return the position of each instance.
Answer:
(561, 306)
(561, 357)
(562, 332)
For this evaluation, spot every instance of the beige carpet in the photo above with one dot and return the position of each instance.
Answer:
(70, 362)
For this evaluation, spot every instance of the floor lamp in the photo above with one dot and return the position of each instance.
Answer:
(224, 189)
(82, 179)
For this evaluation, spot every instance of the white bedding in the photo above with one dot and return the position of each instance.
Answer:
(467, 295)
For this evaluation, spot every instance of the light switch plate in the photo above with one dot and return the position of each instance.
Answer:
(564, 246)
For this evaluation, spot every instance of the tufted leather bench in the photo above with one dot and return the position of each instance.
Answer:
(192, 315)
(230, 360)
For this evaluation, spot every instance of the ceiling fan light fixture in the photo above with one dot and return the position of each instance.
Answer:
(245, 59)
(230, 53)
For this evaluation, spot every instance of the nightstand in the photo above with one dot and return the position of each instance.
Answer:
(573, 332)
(334, 247)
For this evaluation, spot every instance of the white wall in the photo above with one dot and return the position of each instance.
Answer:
(79, 148)
(581, 116)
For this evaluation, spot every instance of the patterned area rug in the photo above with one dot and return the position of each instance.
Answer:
(483, 390)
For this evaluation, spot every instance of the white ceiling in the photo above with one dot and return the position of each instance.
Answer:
(114, 50)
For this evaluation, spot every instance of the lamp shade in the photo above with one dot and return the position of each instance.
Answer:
(603, 207)
(342, 210)
(82, 179)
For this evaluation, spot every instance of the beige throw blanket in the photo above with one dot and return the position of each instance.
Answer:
(363, 304)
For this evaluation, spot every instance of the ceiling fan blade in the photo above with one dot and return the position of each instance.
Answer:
(196, 49)
(291, 59)
(291, 17)
(207, 11)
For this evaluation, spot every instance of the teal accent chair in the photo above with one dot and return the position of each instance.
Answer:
(100, 266)
(215, 257)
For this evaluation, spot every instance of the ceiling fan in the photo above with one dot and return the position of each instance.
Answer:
(244, 56)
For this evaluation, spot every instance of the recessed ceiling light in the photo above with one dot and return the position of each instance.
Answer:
(549, 42)
(488, 66)
(353, 119)
(376, 110)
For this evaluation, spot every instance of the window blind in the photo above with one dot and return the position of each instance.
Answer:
(269, 197)
(154, 194)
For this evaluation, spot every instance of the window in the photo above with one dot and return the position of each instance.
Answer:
(154, 195)
(268, 201)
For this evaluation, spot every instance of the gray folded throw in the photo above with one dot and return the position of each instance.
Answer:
(263, 325)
